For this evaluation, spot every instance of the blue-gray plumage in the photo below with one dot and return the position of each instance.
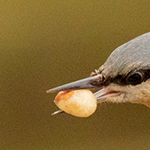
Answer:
(132, 55)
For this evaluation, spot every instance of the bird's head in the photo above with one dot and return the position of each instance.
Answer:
(124, 77)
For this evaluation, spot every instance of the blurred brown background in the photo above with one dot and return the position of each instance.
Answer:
(44, 44)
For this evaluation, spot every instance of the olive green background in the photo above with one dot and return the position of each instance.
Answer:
(47, 43)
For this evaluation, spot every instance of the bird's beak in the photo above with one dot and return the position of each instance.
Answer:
(86, 83)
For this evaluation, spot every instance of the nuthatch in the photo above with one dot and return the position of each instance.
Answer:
(124, 77)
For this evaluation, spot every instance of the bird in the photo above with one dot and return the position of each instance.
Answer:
(124, 77)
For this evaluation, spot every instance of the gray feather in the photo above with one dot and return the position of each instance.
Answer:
(134, 54)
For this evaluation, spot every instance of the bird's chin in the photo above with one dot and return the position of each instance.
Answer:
(106, 94)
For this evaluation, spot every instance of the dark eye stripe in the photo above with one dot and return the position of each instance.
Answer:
(132, 78)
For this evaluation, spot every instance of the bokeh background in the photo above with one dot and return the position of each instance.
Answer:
(47, 43)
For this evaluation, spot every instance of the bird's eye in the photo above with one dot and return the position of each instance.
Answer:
(135, 78)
